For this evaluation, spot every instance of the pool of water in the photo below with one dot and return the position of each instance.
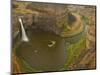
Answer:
(44, 51)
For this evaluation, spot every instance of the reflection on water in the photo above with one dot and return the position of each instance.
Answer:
(44, 51)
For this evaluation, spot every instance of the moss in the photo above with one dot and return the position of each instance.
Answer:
(74, 51)
(26, 67)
